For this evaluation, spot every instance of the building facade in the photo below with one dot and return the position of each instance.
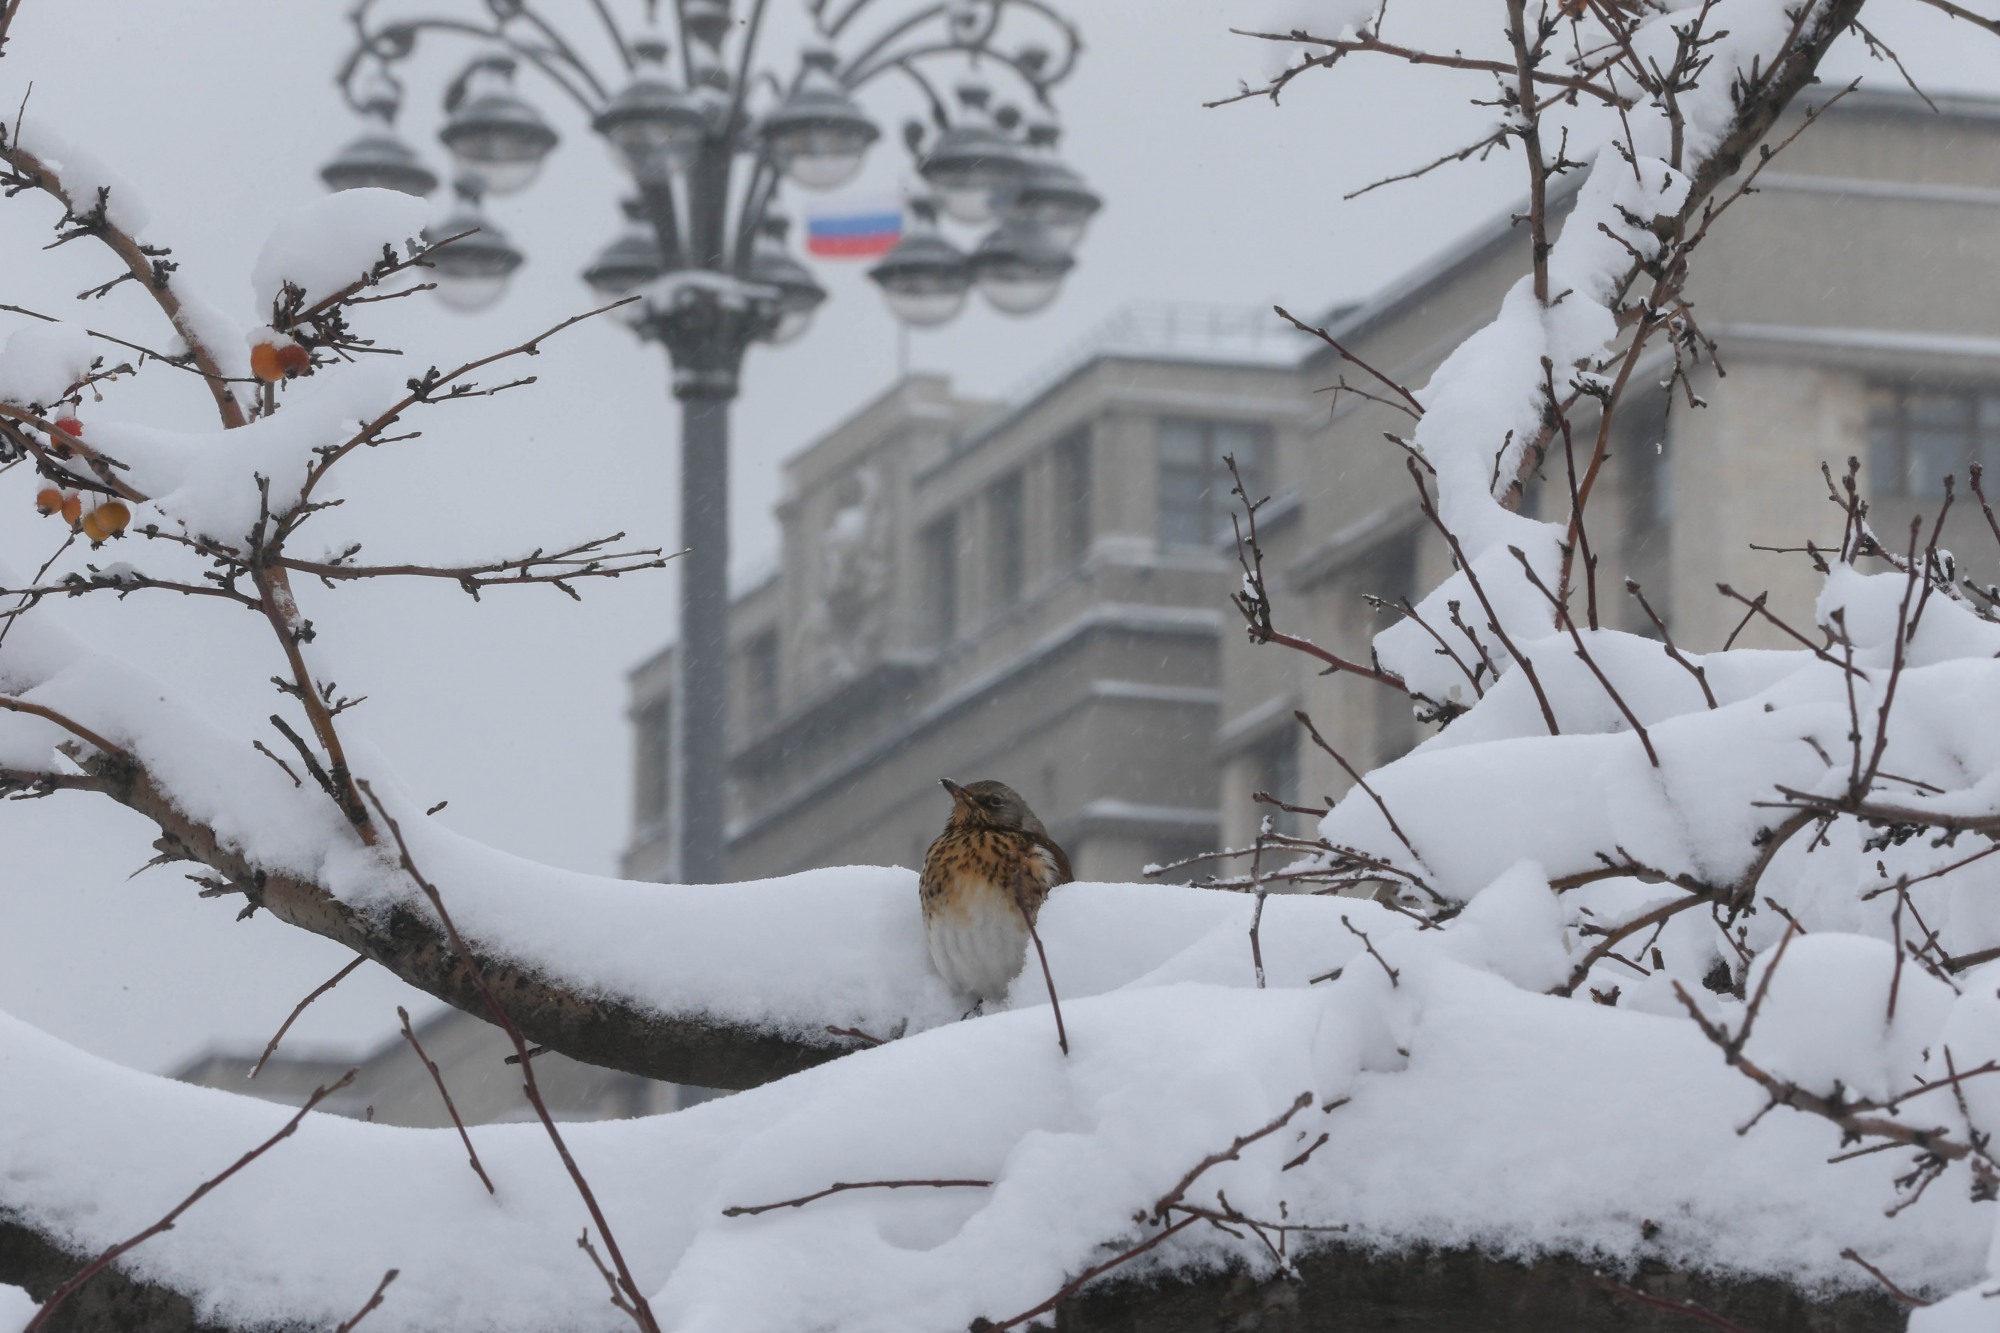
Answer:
(1038, 590)
(968, 591)
(392, 1086)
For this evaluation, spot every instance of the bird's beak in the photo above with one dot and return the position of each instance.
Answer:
(957, 792)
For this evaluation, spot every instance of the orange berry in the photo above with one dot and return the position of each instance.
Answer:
(112, 516)
(93, 527)
(70, 426)
(266, 364)
(48, 500)
(294, 360)
(72, 506)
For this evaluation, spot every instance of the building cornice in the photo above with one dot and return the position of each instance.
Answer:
(1253, 725)
(888, 675)
(1110, 814)
(1920, 348)
(1338, 548)
(1874, 187)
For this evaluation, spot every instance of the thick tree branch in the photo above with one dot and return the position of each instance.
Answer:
(603, 1030)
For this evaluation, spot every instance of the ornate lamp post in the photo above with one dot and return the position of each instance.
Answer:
(708, 142)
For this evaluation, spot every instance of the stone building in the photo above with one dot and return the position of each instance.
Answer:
(392, 1086)
(1038, 590)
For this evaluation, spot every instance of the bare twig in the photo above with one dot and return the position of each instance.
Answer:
(1876, 1273)
(1961, 12)
(1254, 601)
(1693, 1311)
(1306, 1156)
(437, 1077)
(841, 1187)
(300, 1008)
(1616, 935)
(1758, 608)
(74, 728)
(586, 560)
(1568, 622)
(427, 389)
(1096, 1270)
(1339, 48)
(1062, 1037)
(1172, 1198)
(1699, 673)
(1369, 945)
(1359, 781)
(1409, 404)
(1479, 591)
(374, 1302)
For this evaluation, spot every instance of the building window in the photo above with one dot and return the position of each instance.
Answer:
(1275, 763)
(1010, 539)
(1643, 453)
(760, 680)
(1195, 503)
(1389, 571)
(940, 557)
(1073, 499)
(1916, 437)
(652, 738)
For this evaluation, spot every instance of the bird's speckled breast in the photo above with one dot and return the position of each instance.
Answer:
(975, 885)
(966, 866)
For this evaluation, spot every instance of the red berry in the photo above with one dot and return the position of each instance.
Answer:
(70, 426)
(72, 506)
(294, 360)
(48, 500)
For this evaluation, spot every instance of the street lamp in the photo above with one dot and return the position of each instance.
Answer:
(707, 143)
(472, 271)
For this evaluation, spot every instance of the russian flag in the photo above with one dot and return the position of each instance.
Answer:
(850, 230)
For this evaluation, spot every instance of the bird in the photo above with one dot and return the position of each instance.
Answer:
(983, 884)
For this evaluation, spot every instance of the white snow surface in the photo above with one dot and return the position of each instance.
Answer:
(1168, 1067)
(41, 361)
(1531, 1122)
(16, 1307)
(333, 241)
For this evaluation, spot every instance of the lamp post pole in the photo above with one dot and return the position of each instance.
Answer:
(707, 152)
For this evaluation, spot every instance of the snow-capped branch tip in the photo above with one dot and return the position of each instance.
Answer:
(145, 264)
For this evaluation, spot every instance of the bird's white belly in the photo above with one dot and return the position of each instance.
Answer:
(980, 948)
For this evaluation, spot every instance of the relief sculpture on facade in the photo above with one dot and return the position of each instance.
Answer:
(847, 619)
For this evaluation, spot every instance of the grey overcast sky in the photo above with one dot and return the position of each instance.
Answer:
(219, 114)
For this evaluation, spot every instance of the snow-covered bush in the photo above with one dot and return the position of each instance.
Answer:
(1653, 935)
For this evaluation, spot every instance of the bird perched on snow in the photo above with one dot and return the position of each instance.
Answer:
(983, 881)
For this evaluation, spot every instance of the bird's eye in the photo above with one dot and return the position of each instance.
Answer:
(990, 802)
